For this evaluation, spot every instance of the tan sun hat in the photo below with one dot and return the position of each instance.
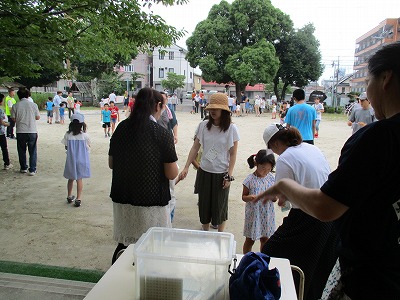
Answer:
(218, 101)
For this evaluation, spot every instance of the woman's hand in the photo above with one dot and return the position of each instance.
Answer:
(225, 184)
(183, 174)
(272, 194)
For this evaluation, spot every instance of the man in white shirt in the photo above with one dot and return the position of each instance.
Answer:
(25, 114)
(56, 108)
(112, 97)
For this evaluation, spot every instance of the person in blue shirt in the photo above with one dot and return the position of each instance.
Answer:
(62, 112)
(49, 110)
(302, 116)
(106, 118)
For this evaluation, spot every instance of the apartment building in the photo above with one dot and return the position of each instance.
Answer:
(387, 31)
(154, 67)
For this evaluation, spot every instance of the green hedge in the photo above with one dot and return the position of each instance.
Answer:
(50, 271)
(41, 98)
(332, 110)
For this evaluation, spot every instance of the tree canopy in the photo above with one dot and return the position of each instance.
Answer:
(300, 60)
(173, 81)
(42, 34)
(245, 42)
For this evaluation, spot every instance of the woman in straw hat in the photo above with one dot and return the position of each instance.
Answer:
(219, 139)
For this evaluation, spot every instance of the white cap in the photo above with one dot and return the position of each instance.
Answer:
(78, 116)
(363, 96)
(270, 131)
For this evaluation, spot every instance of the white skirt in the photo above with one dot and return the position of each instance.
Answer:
(130, 222)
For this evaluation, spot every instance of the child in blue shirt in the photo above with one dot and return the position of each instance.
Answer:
(62, 112)
(106, 118)
(49, 110)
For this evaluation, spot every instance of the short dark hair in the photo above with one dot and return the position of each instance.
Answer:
(23, 93)
(105, 104)
(385, 59)
(299, 94)
(1, 97)
(111, 102)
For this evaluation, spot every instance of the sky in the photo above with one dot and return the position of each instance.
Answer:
(338, 23)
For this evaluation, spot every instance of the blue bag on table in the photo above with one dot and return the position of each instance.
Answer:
(253, 280)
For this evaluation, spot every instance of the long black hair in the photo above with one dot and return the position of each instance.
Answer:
(224, 123)
(145, 105)
(76, 128)
(261, 158)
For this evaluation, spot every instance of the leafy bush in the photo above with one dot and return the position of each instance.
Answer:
(332, 110)
(41, 98)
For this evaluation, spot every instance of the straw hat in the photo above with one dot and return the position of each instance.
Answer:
(218, 101)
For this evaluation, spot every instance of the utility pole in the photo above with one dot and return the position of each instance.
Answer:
(335, 86)
(337, 82)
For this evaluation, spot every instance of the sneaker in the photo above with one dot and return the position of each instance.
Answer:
(8, 167)
(32, 173)
(77, 203)
(70, 199)
(108, 133)
(214, 226)
(105, 135)
(23, 171)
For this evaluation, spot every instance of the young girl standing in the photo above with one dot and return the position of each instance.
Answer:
(77, 165)
(259, 218)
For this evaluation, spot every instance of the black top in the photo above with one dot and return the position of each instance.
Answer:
(138, 170)
(367, 181)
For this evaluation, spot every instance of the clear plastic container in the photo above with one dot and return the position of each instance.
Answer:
(183, 264)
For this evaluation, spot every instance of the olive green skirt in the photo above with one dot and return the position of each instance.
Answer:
(213, 199)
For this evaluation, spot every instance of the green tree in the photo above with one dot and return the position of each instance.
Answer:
(233, 36)
(300, 60)
(173, 81)
(42, 33)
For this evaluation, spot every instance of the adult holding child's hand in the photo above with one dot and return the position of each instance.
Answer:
(219, 138)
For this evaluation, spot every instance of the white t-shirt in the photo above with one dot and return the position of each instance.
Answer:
(230, 101)
(112, 97)
(318, 107)
(305, 164)
(216, 145)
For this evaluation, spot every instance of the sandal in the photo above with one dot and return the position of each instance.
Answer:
(77, 203)
(70, 199)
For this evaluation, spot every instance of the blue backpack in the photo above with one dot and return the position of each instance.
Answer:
(253, 280)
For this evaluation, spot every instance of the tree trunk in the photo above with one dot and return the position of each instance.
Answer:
(283, 94)
(276, 92)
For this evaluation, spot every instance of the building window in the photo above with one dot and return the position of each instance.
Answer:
(171, 70)
(161, 72)
(190, 75)
(129, 68)
(184, 72)
(198, 80)
(171, 55)
(161, 55)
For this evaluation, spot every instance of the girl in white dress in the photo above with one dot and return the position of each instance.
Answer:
(77, 164)
(259, 221)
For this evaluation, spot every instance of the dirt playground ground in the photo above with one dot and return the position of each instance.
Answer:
(38, 226)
